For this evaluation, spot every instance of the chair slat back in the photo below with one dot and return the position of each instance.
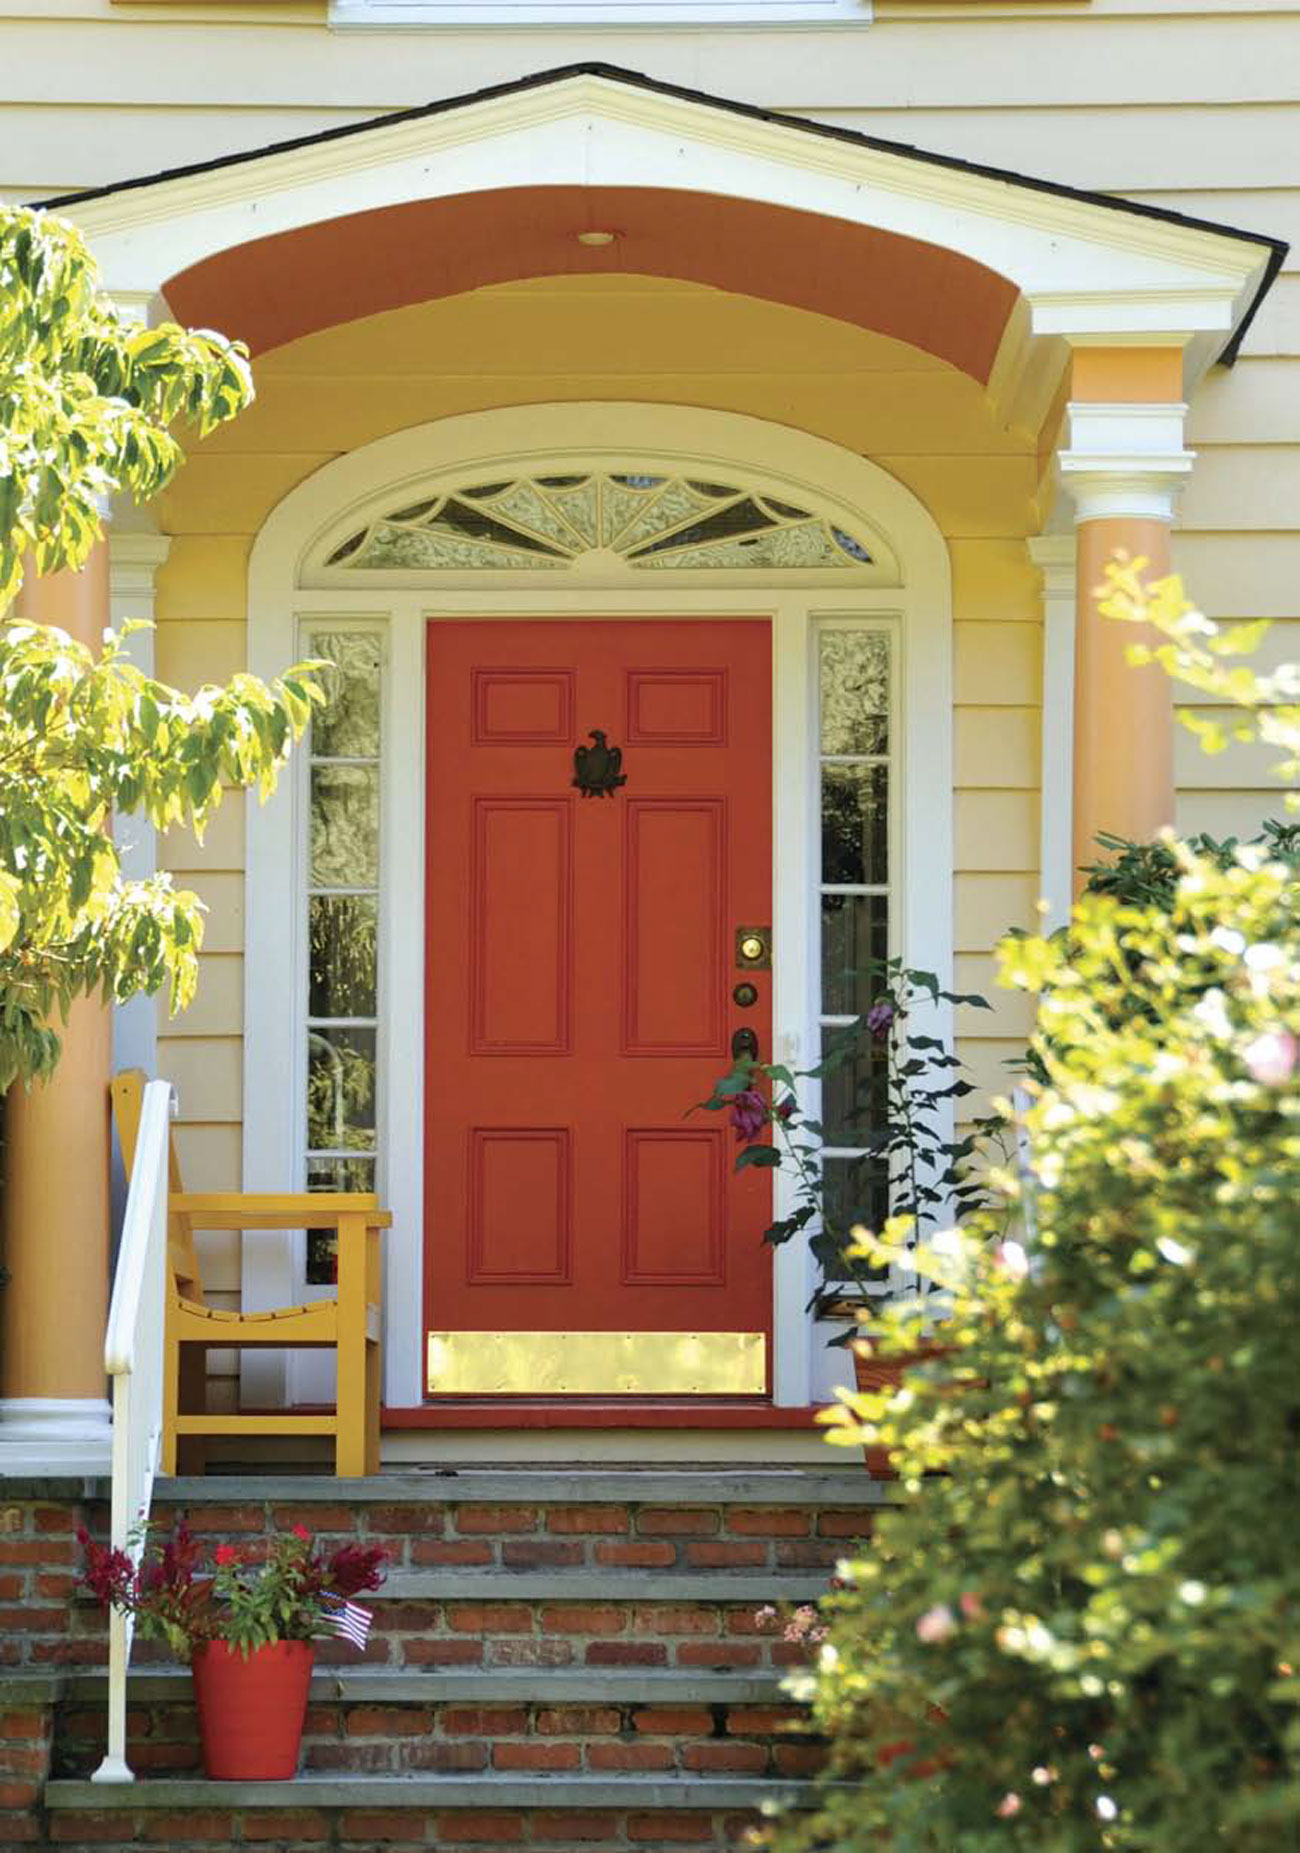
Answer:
(127, 1093)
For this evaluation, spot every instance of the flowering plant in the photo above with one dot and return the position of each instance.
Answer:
(249, 1597)
(883, 1086)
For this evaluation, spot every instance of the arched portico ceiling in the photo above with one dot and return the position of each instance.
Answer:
(981, 266)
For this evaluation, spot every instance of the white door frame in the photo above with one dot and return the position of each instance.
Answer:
(915, 600)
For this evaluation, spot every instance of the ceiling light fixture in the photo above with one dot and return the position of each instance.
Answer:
(597, 238)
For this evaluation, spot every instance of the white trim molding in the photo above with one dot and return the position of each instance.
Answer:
(53, 1435)
(408, 15)
(1054, 556)
(547, 439)
(1124, 461)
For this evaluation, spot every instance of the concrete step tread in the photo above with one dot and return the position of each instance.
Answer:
(545, 1685)
(622, 1791)
(554, 1486)
(599, 1585)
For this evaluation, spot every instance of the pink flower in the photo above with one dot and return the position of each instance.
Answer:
(748, 1115)
(880, 1017)
(1271, 1057)
(1008, 1808)
(935, 1626)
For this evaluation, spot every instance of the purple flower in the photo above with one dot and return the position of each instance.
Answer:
(748, 1115)
(880, 1017)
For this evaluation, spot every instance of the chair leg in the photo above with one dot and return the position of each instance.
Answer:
(373, 1363)
(171, 1398)
(192, 1450)
(350, 1435)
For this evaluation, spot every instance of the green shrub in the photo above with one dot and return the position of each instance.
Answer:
(1078, 1631)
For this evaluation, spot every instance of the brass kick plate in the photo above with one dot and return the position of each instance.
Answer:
(597, 1364)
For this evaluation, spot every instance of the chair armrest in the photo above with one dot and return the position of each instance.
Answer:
(292, 1210)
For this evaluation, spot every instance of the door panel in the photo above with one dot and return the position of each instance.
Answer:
(580, 970)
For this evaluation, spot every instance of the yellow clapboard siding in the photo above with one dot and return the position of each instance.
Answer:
(218, 1007)
(223, 897)
(1129, 63)
(1232, 575)
(998, 665)
(997, 747)
(207, 1073)
(223, 840)
(1110, 150)
(1279, 644)
(1276, 329)
(1255, 402)
(1240, 767)
(988, 905)
(1243, 487)
(211, 1156)
(992, 1065)
(1012, 1013)
(1229, 813)
(997, 830)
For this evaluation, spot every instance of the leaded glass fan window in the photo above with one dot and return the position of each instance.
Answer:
(651, 522)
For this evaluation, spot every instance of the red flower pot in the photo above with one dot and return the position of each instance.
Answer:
(251, 1711)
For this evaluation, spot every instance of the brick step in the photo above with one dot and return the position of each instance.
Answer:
(545, 1732)
(489, 1812)
(848, 1486)
(502, 1628)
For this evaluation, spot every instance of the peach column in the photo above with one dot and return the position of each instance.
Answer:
(1123, 468)
(54, 1308)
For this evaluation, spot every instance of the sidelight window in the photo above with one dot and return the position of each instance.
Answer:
(857, 745)
(342, 926)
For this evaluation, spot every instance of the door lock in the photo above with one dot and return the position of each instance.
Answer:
(754, 948)
(744, 1045)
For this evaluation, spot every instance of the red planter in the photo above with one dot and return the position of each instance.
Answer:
(251, 1711)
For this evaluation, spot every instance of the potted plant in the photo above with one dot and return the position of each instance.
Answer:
(246, 1625)
(883, 1083)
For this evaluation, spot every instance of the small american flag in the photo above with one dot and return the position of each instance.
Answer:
(349, 1620)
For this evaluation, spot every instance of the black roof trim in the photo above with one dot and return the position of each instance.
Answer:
(1276, 247)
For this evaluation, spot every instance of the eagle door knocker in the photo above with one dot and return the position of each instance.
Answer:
(596, 769)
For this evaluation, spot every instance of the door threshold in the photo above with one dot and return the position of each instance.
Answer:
(512, 1412)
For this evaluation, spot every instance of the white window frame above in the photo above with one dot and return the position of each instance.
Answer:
(374, 15)
(281, 606)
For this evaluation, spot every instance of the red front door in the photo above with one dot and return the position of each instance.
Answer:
(581, 970)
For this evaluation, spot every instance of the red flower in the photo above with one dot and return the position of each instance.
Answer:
(354, 1567)
(301, 1532)
(226, 1553)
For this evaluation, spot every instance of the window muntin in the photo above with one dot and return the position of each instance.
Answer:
(342, 926)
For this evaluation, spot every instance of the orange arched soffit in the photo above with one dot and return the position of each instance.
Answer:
(295, 283)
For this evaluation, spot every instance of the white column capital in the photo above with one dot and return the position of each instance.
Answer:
(1124, 461)
(134, 557)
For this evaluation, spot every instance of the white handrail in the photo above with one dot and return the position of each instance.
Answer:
(134, 1359)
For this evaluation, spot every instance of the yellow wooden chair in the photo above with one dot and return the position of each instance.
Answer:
(348, 1325)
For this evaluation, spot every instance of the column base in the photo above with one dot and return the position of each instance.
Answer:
(55, 1435)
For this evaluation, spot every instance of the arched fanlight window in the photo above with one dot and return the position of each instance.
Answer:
(650, 522)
